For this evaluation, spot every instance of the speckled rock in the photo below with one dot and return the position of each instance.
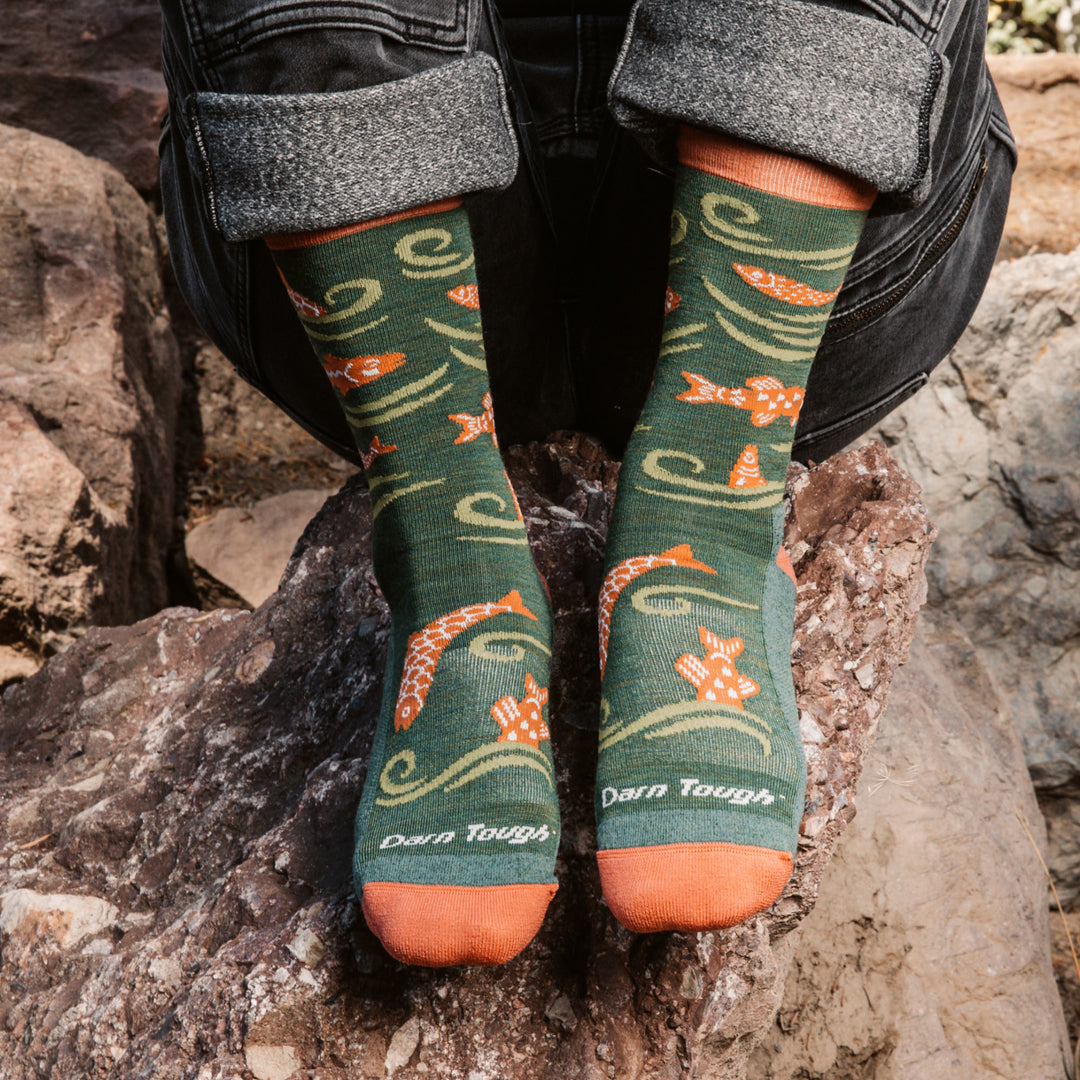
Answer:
(193, 777)
(928, 954)
(89, 397)
(87, 72)
(1004, 486)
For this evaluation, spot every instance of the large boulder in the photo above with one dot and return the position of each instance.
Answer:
(993, 442)
(175, 891)
(928, 954)
(89, 74)
(1041, 97)
(89, 394)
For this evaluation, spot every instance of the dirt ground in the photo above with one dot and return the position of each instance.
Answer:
(242, 448)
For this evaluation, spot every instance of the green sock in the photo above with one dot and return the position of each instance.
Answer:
(701, 776)
(458, 826)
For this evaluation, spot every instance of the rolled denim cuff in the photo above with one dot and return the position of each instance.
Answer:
(279, 163)
(802, 78)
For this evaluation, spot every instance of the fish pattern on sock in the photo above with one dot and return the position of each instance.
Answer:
(701, 776)
(458, 824)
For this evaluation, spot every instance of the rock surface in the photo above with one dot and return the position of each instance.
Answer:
(993, 442)
(928, 954)
(1041, 96)
(88, 74)
(248, 549)
(89, 392)
(199, 773)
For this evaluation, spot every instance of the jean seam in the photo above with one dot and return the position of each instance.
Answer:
(242, 277)
(920, 269)
(210, 185)
(925, 29)
(912, 383)
(1000, 131)
(562, 127)
(952, 196)
(198, 36)
(362, 6)
(933, 84)
(590, 82)
(442, 38)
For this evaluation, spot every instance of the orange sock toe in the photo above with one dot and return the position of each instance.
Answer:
(444, 925)
(691, 886)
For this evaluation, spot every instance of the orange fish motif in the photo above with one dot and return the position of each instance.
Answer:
(767, 397)
(474, 426)
(671, 300)
(784, 288)
(747, 472)
(466, 295)
(376, 448)
(620, 576)
(347, 373)
(305, 308)
(426, 646)
(522, 721)
(715, 676)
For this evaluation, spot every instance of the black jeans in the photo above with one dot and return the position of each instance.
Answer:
(571, 256)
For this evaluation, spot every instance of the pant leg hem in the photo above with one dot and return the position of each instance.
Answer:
(277, 163)
(801, 78)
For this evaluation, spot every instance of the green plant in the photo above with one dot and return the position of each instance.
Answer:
(1023, 26)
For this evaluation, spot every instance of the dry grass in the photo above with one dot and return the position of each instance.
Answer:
(1074, 1074)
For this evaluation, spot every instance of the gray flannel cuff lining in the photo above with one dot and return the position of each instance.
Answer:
(298, 162)
(802, 78)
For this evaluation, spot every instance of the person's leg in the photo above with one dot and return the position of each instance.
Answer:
(303, 54)
(349, 144)
(926, 252)
(458, 827)
(701, 777)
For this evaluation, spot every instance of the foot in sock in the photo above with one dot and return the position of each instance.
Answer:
(458, 825)
(701, 777)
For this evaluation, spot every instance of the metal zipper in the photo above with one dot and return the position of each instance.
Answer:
(932, 254)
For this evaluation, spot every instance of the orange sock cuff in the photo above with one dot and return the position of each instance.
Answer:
(778, 174)
(288, 241)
